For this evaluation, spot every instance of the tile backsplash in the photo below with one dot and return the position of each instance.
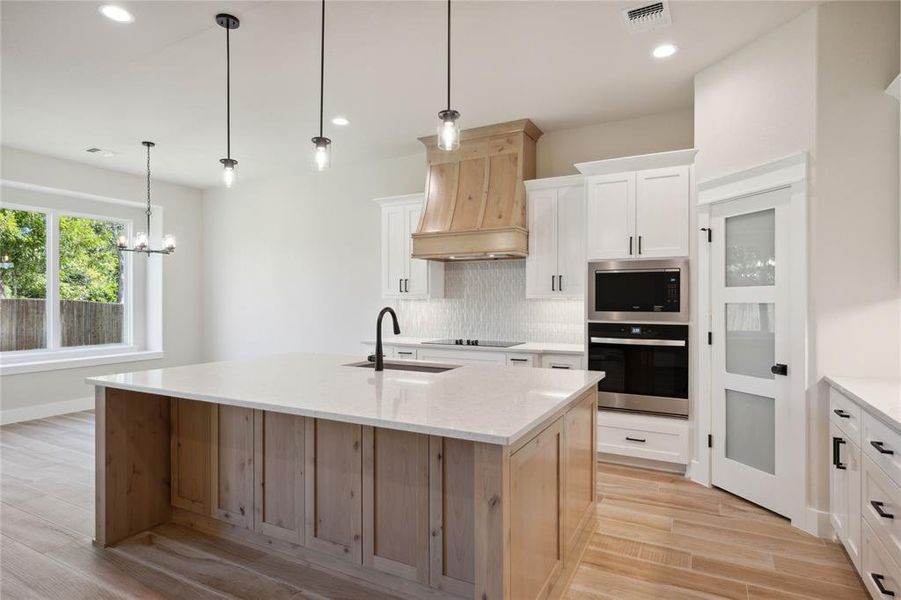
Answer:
(487, 300)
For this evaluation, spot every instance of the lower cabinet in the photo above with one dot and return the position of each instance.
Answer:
(409, 505)
(844, 492)
(396, 502)
(536, 532)
(334, 499)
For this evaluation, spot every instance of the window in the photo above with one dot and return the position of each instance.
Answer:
(65, 287)
(23, 275)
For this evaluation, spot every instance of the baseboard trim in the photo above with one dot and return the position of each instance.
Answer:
(40, 411)
(697, 474)
(816, 522)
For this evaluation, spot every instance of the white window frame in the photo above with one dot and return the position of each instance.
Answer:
(54, 355)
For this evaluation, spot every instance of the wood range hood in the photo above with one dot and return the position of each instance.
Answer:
(475, 201)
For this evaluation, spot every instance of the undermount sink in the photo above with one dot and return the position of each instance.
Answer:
(402, 366)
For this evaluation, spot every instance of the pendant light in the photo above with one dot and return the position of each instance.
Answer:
(448, 119)
(228, 22)
(141, 241)
(322, 146)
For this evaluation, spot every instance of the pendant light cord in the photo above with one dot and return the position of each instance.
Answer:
(322, 69)
(448, 54)
(148, 192)
(228, 95)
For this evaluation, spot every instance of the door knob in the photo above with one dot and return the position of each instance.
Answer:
(779, 369)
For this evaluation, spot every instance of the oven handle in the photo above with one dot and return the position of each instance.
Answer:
(636, 342)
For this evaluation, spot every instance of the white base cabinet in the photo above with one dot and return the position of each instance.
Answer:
(646, 437)
(403, 276)
(465, 356)
(865, 492)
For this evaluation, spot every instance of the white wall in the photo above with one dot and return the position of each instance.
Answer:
(293, 263)
(34, 393)
(815, 84)
(559, 150)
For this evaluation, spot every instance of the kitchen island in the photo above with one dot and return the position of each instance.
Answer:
(474, 482)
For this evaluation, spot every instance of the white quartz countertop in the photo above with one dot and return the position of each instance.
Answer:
(526, 347)
(491, 404)
(882, 396)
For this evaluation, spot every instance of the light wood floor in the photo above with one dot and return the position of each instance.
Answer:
(657, 536)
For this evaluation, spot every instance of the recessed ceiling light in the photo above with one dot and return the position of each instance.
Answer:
(342, 121)
(116, 13)
(664, 50)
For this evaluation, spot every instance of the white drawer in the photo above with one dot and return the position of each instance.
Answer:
(403, 352)
(881, 495)
(845, 414)
(642, 436)
(877, 567)
(561, 361)
(461, 357)
(883, 445)
(520, 360)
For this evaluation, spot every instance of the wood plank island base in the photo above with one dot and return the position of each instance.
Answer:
(476, 482)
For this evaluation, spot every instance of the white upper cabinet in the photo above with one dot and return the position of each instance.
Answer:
(661, 212)
(555, 265)
(403, 276)
(638, 206)
(610, 216)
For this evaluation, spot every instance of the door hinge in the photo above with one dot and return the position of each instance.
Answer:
(709, 338)
(709, 233)
(709, 440)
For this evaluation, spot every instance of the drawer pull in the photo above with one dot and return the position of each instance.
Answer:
(519, 360)
(560, 366)
(878, 579)
(842, 414)
(881, 447)
(632, 439)
(877, 506)
(836, 452)
(405, 353)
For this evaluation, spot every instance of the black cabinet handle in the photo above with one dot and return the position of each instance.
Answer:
(836, 452)
(400, 286)
(559, 367)
(881, 447)
(406, 285)
(553, 278)
(842, 413)
(779, 369)
(877, 506)
(632, 439)
(639, 244)
(630, 245)
(560, 282)
(405, 353)
(519, 360)
(878, 579)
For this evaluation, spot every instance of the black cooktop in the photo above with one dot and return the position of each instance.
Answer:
(464, 342)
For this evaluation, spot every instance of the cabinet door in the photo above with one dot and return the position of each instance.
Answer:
(571, 241)
(232, 464)
(662, 207)
(610, 216)
(536, 533)
(853, 458)
(541, 264)
(395, 250)
(579, 466)
(417, 279)
(461, 357)
(278, 474)
(838, 482)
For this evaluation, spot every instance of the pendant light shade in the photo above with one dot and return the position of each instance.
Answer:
(322, 146)
(228, 22)
(142, 239)
(448, 119)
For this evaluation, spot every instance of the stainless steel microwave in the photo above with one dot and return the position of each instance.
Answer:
(638, 290)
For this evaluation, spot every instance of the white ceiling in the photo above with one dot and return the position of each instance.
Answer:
(72, 79)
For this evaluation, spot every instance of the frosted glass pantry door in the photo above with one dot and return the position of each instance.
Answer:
(749, 303)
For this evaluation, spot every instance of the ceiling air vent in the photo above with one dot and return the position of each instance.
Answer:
(647, 17)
